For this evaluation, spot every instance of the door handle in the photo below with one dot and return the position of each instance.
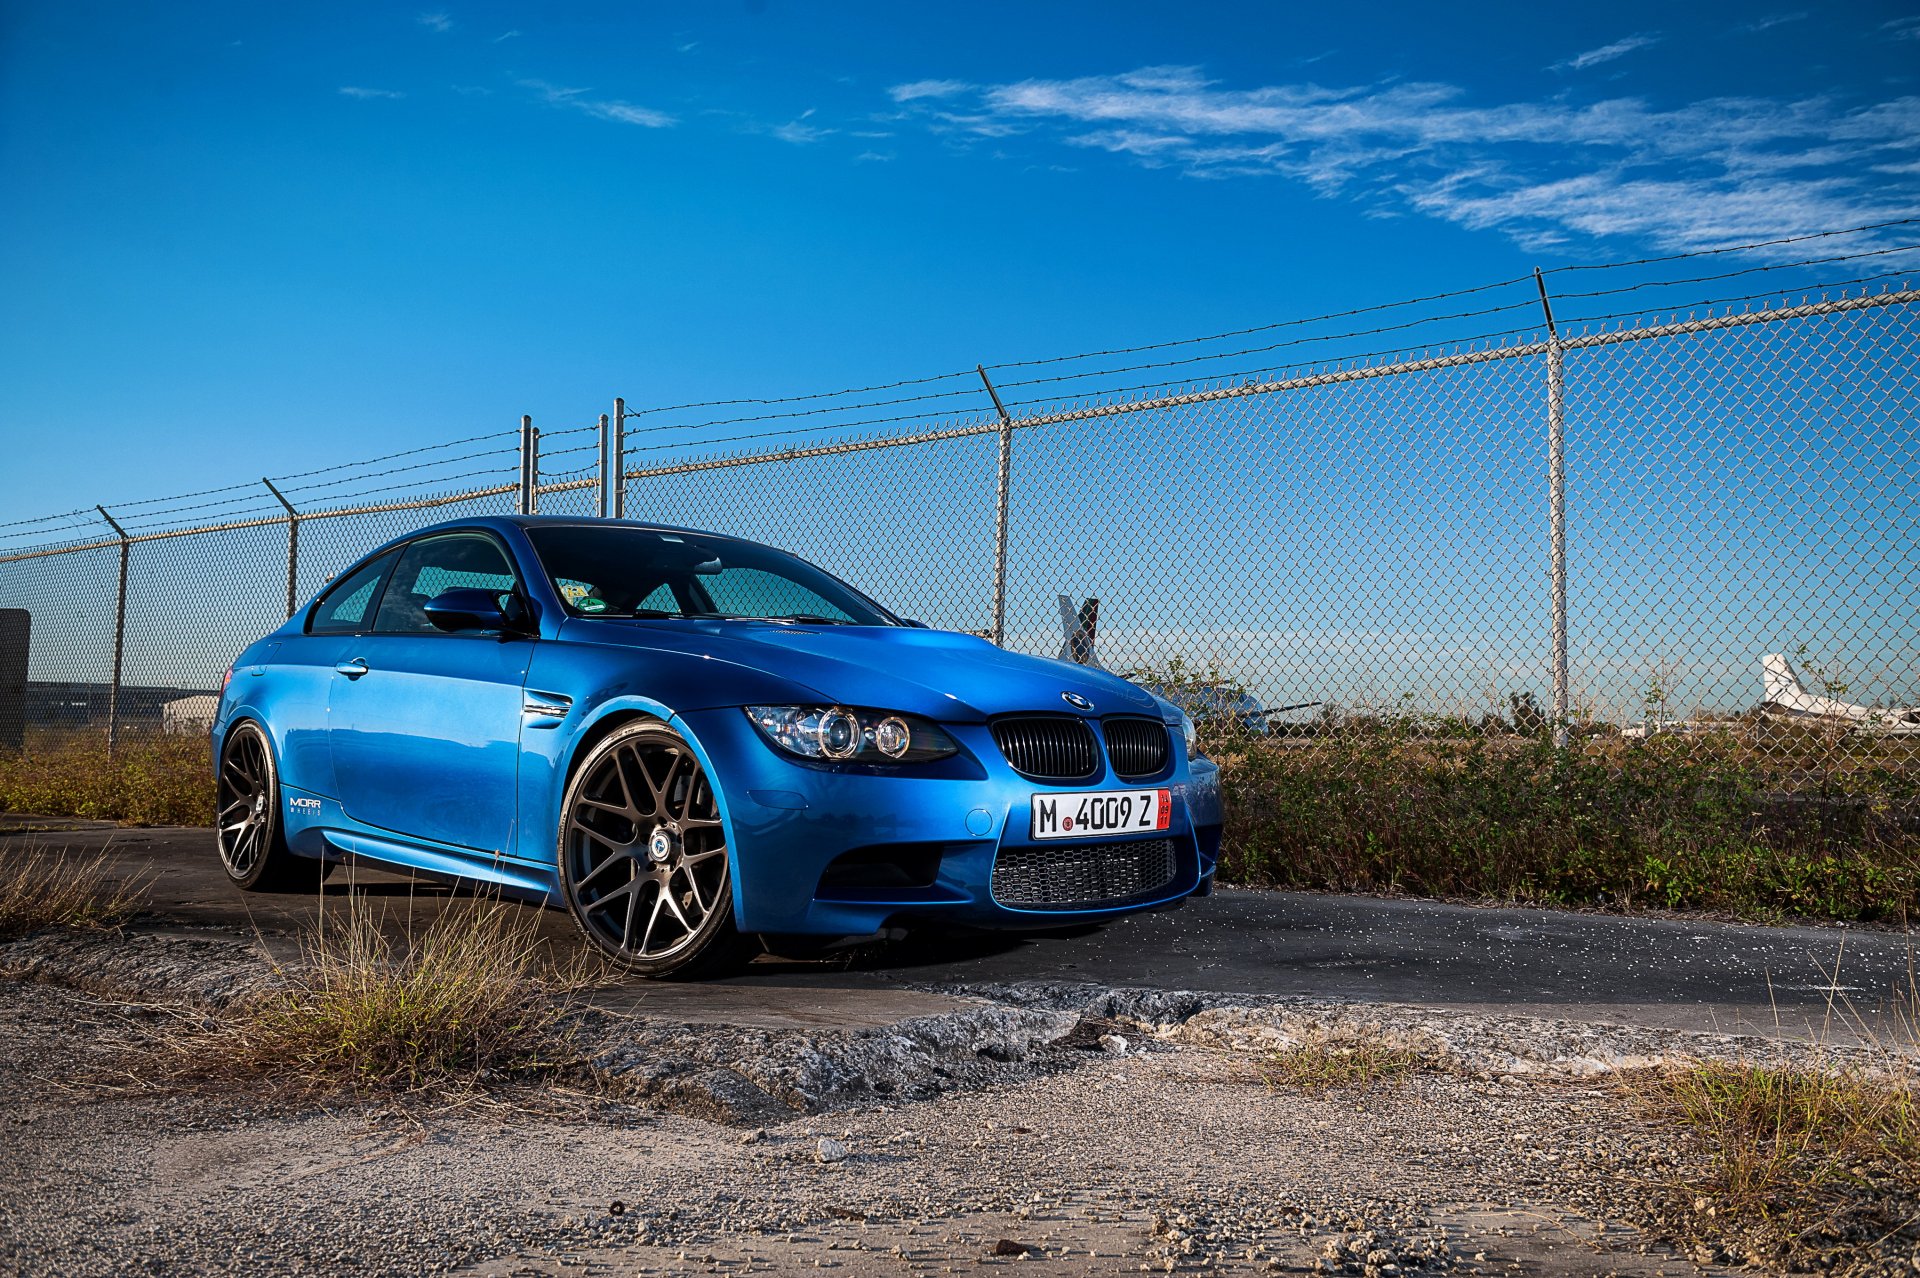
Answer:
(352, 669)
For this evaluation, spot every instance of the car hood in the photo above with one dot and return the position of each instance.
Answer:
(933, 673)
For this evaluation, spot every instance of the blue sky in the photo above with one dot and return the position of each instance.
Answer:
(245, 239)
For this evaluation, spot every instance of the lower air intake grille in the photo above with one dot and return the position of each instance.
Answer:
(1082, 875)
(1138, 747)
(1048, 747)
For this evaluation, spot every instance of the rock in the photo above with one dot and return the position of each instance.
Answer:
(1008, 1247)
(829, 1150)
(1114, 1044)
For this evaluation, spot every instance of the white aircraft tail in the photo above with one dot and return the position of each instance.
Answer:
(1786, 692)
(1784, 688)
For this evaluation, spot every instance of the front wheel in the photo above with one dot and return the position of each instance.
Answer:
(247, 828)
(644, 859)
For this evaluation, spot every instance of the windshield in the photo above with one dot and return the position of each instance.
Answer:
(650, 575)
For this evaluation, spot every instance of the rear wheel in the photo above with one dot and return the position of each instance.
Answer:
(643, 856)
(247, 826)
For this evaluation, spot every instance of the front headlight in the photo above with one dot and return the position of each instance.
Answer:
(839, 734)
(1189, 734)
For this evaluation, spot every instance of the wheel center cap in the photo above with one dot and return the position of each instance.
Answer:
(660, 846)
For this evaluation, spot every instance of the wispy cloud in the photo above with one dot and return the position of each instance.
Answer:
(599, 108)
(505, 36)
(1903, 28)
(355, 91)
(799, 132)
(919, 89)
(1715, 171)
(436, 21)
(1772, 20)
(1605, 53)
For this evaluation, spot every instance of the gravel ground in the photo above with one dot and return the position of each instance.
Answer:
(1008, 1133)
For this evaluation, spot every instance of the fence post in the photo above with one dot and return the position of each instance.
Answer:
(529, 467)
(617, 508)
(1000, 511)
(603, 493)
(1556, 508)
(293, 546)
(119, 635)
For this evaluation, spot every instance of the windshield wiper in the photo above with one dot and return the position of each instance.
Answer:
(661, 614)
(808, 619)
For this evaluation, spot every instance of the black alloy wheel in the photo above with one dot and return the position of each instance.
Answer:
(247, 827)
(643, 855)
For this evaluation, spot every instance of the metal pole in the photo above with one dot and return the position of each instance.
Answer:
(605, 440)
(619, 449)
(1000, 510)
(529, 466)
(119, 635)
(1557, 508)
(293, 546)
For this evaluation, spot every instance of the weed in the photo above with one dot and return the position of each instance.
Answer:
(1801, 1165)
(1340, 1061)
(467, 998)
(41, 888)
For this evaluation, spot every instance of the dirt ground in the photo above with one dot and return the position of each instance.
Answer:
(1171, 1157)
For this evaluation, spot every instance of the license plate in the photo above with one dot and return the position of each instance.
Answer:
(1099, 812)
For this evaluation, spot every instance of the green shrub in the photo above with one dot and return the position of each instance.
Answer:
(1742, 821)
(150, 780)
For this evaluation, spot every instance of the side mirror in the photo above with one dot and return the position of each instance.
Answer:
(466, 608)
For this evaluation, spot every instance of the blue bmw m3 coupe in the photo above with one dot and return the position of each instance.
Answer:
(696, 743)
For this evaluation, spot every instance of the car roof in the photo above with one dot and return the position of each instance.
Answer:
(559, 521)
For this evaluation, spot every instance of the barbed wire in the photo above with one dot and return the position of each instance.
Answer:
(1259, 350)
(409, 452)
(1749, 297)
(546, 456)
(48, 519)
(437, 483)
(396, 470)
(1751, 270)
(1735, 248)
(356, 473)
(1266, 372)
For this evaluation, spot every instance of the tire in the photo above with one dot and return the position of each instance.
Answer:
(643, 857)
(248, 832)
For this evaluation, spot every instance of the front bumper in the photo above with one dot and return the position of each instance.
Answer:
(843, 850)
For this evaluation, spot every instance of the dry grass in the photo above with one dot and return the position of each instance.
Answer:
(151, 779)
(1801, 1166)
(1340, 1062)
(1815, 1165)
(470, 998)
(41, 888)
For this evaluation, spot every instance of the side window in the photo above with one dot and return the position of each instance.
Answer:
(348, 606)
(749, 592)
(434, 564)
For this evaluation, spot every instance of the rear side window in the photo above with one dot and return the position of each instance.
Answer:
(433, 564)
(347, 607)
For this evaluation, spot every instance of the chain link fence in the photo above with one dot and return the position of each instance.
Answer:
(1672, 536)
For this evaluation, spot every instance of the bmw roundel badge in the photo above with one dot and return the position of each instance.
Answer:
(1077, 701)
